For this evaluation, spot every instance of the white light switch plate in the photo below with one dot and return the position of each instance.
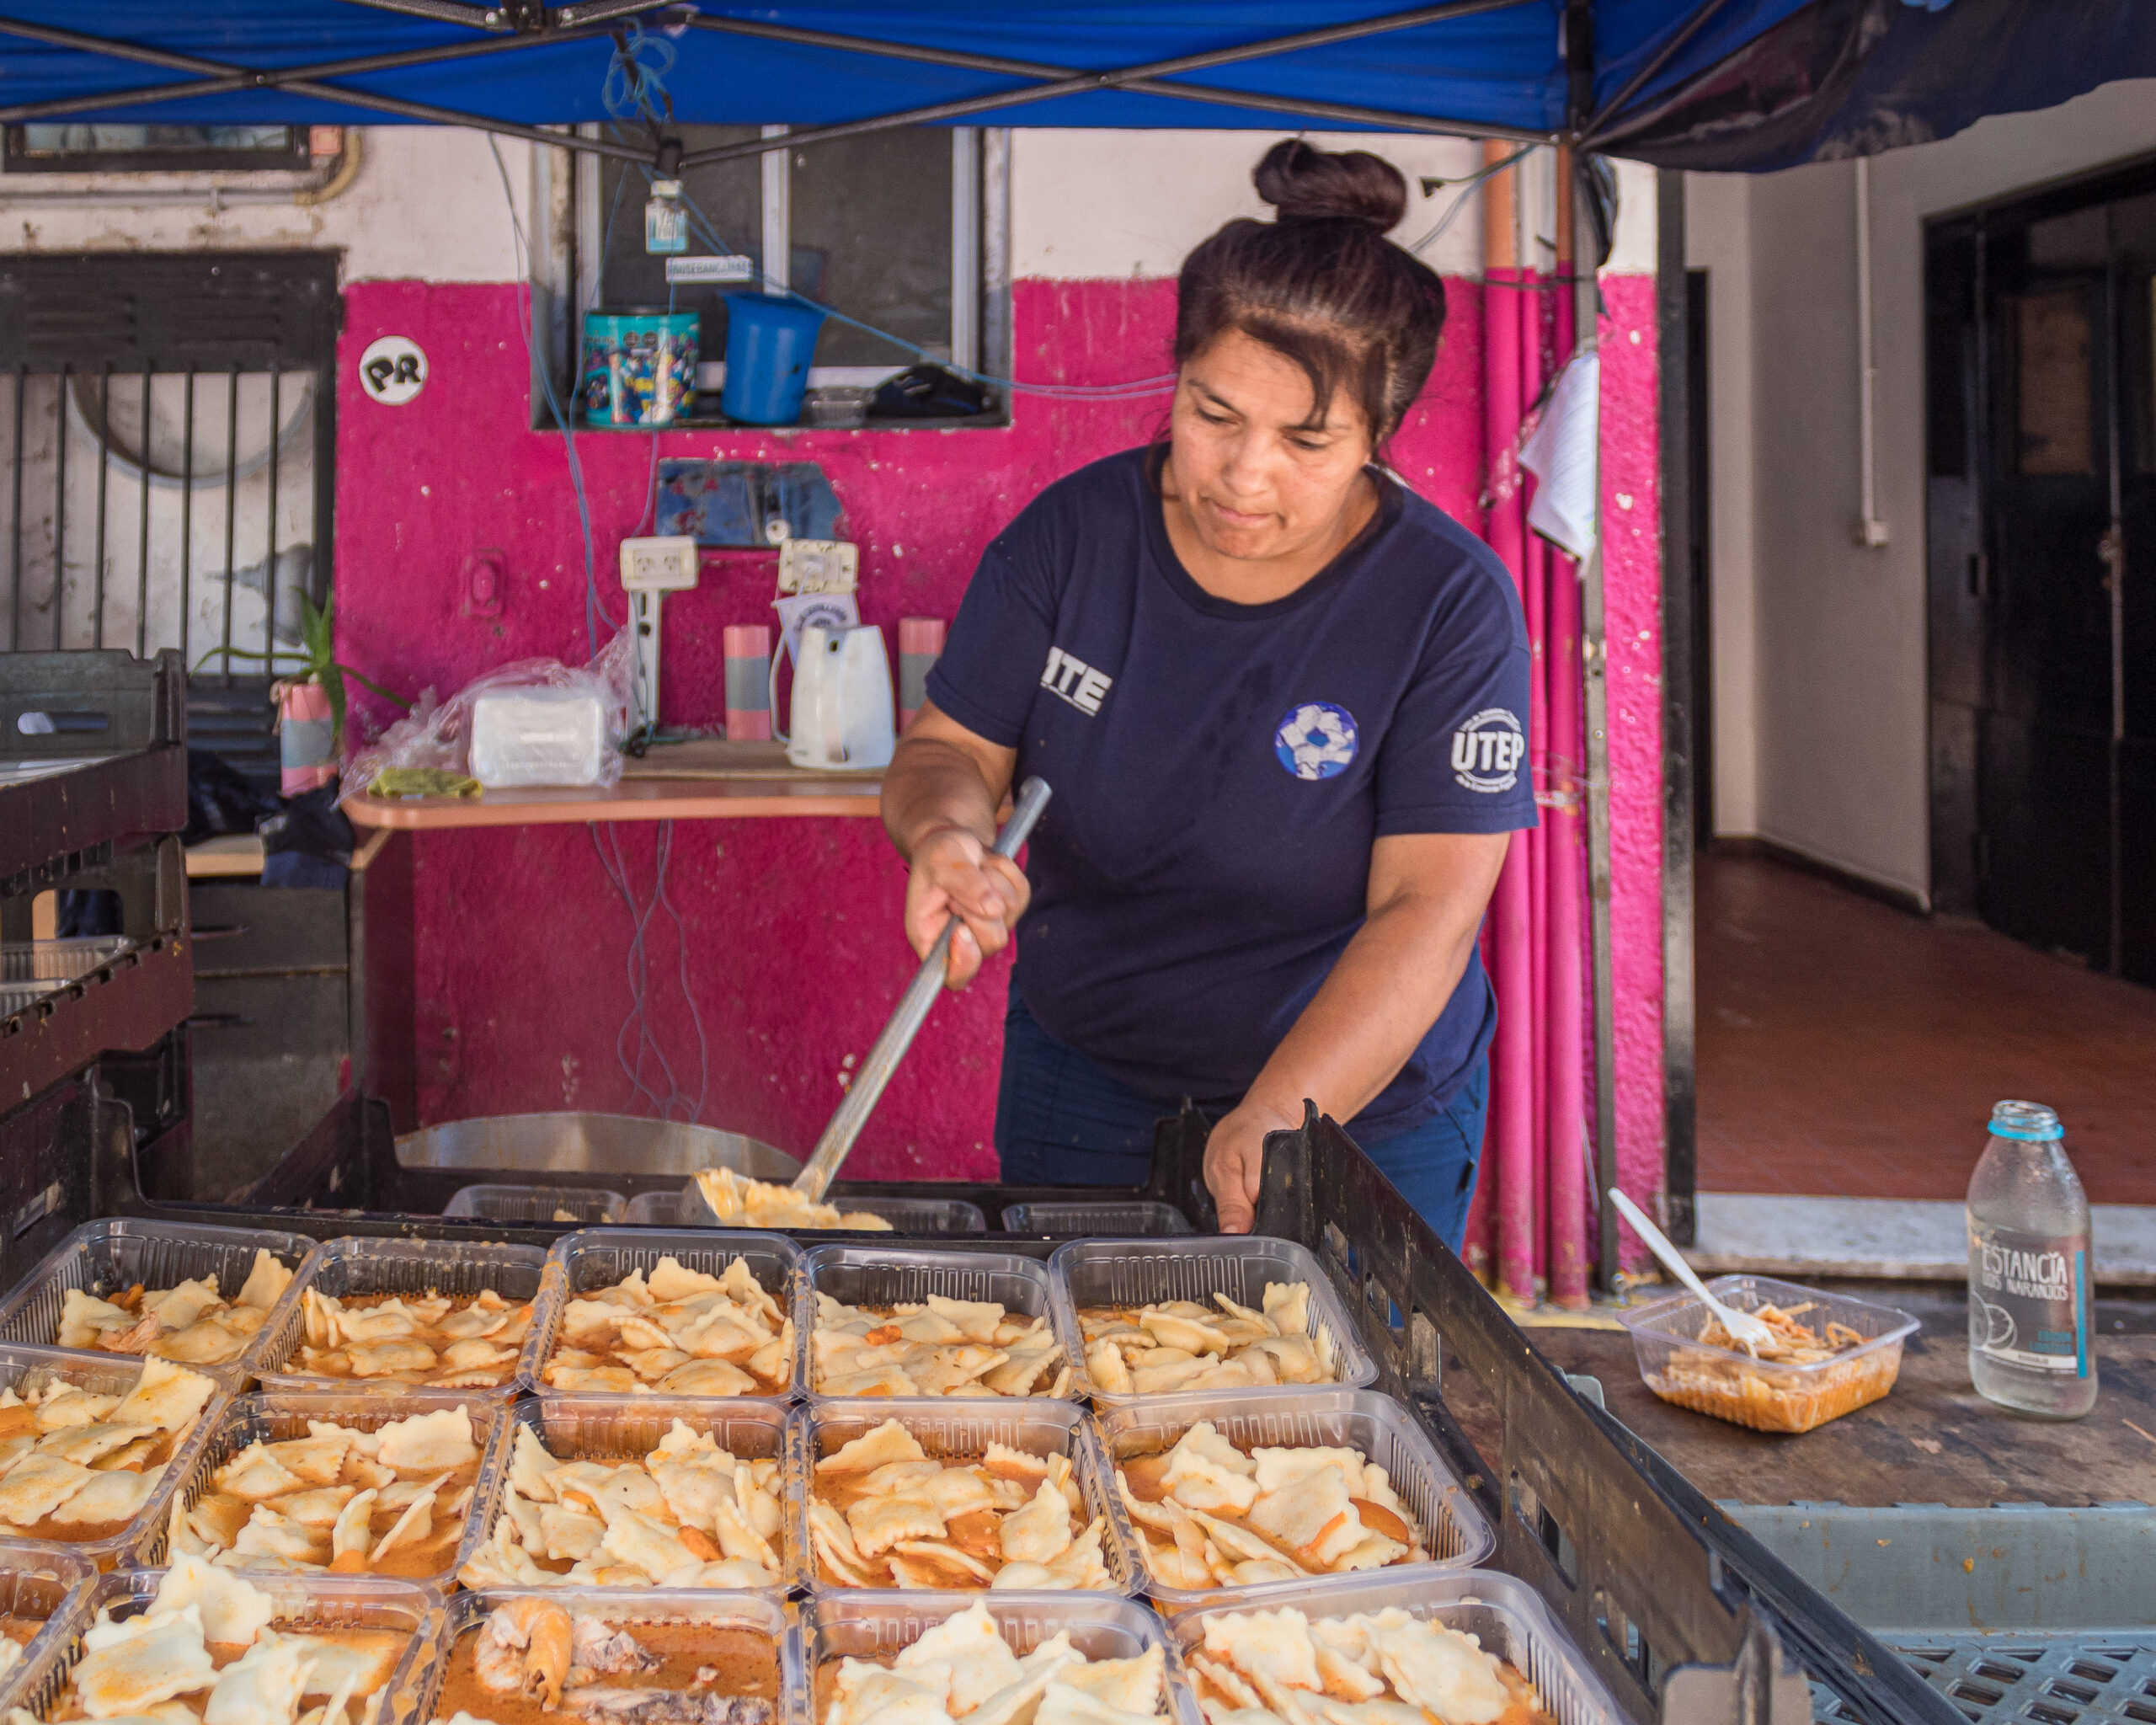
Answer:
(819, 566)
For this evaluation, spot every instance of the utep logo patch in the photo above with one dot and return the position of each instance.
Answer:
(1316, 741)
(1486, 750)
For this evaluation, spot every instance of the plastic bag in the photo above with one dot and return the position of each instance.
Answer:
(535, 722)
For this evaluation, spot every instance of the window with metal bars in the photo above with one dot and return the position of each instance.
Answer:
(167, 436)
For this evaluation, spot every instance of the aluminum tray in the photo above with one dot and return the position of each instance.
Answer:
(353, 1266)
(272, 1419)
(963, 1426)
(1500, 1610)
(624, 1427)
(24, 1367)
(878, 1626)
(600, 1257)
(46, 1582)
(420, 1682)
(1084, 1221)
(887, 1275)
(906, 1215)
(106, 1256)
(1090, 1273)
(1454, 1530)
(503, 1202)
(319, 1601)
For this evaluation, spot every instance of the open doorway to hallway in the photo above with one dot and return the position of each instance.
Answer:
(1852, 1034)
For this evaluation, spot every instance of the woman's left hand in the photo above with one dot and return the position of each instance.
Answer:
(1234, 1162)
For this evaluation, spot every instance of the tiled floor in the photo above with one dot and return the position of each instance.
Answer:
(1849, 1048)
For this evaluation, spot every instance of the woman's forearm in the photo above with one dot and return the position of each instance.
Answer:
(938, 782)
(1373, 1010)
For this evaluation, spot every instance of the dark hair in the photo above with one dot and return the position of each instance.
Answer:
(1321, 283)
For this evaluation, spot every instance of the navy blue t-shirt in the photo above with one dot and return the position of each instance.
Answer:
(1221, 772)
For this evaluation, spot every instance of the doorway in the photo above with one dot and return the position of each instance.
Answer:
(2041, 434)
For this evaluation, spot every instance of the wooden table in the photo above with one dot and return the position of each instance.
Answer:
(1933, 1440)
(706, 779)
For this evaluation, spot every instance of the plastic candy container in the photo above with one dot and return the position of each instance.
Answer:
(639, 366)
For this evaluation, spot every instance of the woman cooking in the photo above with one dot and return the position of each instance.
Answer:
(1281, 703)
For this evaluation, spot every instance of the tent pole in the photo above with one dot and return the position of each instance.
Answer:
(1145, 79)
(275, 77)
(422, 111)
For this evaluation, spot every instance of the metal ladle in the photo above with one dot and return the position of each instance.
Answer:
(906, 1021)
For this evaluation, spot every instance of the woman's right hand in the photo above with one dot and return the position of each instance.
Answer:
(954, 873)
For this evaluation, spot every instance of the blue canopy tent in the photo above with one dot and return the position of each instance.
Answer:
(1751, 84)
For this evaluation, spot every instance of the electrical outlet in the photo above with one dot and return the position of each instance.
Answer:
(658, 565)
(819, 566)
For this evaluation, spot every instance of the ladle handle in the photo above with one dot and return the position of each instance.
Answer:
(861, 1099)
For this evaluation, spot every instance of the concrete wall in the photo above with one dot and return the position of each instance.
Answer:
(1820, 673)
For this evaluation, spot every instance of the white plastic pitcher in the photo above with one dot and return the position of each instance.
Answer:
(842, 711)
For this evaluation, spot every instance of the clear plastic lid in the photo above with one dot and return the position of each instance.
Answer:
(1091, 1273)
(957, 1427)
(107, 1256)
(303, 1602)
(503, 1202)
(1453, 1529)
(24, 1368)
(274, 1418)
(351, 1266)
(1501, 1611)
(877, 1627)
(1086, 1220)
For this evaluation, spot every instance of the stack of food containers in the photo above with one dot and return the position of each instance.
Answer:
(700, 1477)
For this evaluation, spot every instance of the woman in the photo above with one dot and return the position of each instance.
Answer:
(1281, 702)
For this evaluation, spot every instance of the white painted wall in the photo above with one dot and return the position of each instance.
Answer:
(427, 203)
(1837, 631)
(1718, 239)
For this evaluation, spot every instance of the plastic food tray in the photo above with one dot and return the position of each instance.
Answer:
(271, 1419)
(887, 1275)
(349, 1267)
(24, 1367)
(58, 960)
(599, 1257)
(111, 1256)
(1767, 1395)
(42, 1581)
(1500, 1612)
(906, 1215)
(624, 1427)
(423, 1677)
(1455, 1532)
(1134, 1273)
(964, 1425)
(20, 997)
(860, 1624)
(303, 1602)
(536, 1203)
(1135, 1216)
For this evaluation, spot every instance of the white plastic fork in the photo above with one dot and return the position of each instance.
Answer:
(1749, 1332)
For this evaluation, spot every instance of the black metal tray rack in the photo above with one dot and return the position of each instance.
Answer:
(92, 795)
(1684, 1616)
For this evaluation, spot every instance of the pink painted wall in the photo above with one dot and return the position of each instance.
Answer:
(1631, 515)
(794, 955)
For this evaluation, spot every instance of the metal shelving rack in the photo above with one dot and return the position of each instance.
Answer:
(92, 795)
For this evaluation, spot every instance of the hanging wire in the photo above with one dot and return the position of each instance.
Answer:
(1460, 202)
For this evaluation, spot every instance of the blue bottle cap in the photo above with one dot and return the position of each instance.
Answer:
(2030, 1121)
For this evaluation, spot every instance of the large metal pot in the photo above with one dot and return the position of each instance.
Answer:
(592, 1144)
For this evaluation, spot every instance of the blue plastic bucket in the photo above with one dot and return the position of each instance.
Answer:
(639, 366)
(768, 343)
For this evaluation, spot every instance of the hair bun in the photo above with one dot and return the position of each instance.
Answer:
(1308, 185)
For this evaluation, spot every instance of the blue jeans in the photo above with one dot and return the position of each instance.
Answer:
(1062, 1121)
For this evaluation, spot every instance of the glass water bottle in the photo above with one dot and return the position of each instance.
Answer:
(2030, 1269)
